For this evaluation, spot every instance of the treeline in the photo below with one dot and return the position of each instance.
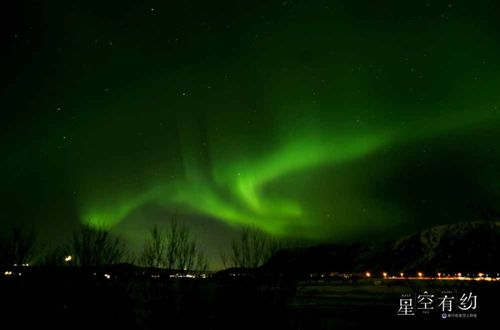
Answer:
(171, 246)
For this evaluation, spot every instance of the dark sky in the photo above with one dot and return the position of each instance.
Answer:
(331, 121)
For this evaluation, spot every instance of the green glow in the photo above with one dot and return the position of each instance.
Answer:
(325, 122)
(235, 191)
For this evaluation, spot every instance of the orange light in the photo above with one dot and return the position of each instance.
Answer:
(367, 274)
(401, 274)
(439, 274)
(384, 274)
(420, 274)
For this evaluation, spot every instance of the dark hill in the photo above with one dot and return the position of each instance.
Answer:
(461, 247)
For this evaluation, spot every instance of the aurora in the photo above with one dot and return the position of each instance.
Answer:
(327, 122)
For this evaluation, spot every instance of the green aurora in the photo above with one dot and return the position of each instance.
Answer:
(323, 121)
(234, 189)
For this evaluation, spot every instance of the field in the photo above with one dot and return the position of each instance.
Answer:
(124, 302)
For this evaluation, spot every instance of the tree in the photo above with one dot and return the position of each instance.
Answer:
(18, 247)
(251, 249)
(183, 251)
(224, 258)
(173, 248)
(186, 252)
(153, 254)
(93, 246)
(201, 262)
(56, 256)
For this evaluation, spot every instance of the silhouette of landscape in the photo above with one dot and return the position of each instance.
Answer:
(249, 165)
(90, 283)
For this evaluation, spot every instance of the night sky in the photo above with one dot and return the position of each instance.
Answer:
(323, 121)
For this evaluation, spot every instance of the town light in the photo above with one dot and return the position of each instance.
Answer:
(401, 274)
(420, 274)
(384, 274)
(68, 258)
(367, 274)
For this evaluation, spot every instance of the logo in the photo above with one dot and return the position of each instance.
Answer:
(446, 304)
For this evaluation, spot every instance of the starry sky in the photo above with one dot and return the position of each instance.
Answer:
(322, 121)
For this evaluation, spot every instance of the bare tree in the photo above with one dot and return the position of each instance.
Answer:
(96, 247)
(56, 256)
(224, 258)
(153, 254)
(173, 248)
(182, 250)
(201, 262)
(251, 249)
(18, 247)
(186, 253)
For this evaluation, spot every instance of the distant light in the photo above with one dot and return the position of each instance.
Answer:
(439, 274)
(68, 258)
(384, 274)
(401, 274)
(420, 274)
(367, 274)
(7, 273)
(459, 274)
(480, 274)
(25, 265)
(107, 276)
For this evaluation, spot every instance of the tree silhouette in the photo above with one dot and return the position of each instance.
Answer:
(251, 249)
(173, 248)
(96, 247)
(153, 253)
(18, 247)
(56, 257)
